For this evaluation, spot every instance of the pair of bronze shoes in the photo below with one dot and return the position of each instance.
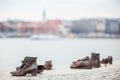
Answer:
(29, 66)
(87, 63)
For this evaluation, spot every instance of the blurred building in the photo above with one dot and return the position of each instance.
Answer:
(1, 27)
(84, 26)
(100, 25)
(112, 26)
(49, 26)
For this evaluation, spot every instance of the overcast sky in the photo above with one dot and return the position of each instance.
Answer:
(58, 9)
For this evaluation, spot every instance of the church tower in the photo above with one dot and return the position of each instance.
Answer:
(44, 16)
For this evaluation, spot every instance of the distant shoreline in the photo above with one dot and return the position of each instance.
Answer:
(98, 38)
(70, 38)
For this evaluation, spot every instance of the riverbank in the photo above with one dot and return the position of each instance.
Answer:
(111, 72)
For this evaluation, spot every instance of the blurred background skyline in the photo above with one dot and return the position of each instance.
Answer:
(31, 10)
(54, 29)
(64, 18)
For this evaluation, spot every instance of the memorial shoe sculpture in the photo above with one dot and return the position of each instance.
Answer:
(84, 63)
(107, 60)
(81, 65)
(28, 66)
(48, 65)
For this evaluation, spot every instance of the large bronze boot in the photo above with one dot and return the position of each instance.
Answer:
(28, 66)
(95, 59)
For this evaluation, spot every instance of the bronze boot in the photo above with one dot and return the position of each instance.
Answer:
(95, 59)
(48, 65)
(28, 66)
(107, 60)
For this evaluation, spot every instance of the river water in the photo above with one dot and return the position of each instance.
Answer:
(61, 51)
